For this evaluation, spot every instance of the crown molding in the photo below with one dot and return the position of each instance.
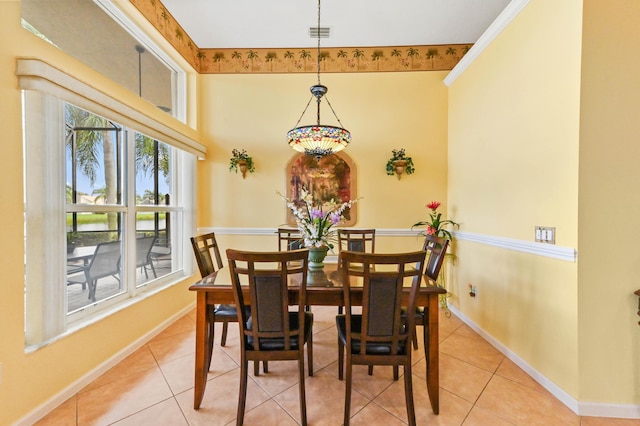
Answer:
(512, 10)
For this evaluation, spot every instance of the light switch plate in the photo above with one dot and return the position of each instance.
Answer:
(546, 234)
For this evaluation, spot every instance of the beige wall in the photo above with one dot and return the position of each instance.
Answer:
(383, 111)
(29, 380)
(609, 207)
(513, 164)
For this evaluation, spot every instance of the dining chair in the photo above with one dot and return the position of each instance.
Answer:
(206, 250)
(272, 332)
(436, 248)
(361, 240)
(105, 262)
(289, 239)
(143, 254)
(379, 335)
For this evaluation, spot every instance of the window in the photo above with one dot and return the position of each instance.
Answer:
(101, 36)
(108, 202)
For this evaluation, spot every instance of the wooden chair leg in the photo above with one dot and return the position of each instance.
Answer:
(310, 355)
(395, 373)
(347, 393)
(242, 398)
(408, 394)
(265, 366)
(303, 397)
(256, 367)
(223, 340)
(415, 340)
(370, 370)
(340, 360)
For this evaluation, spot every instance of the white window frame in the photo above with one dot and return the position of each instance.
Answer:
(45, 90)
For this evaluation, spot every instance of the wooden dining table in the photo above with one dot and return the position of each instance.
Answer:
(324, 288)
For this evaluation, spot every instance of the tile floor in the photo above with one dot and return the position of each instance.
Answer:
(154, 386)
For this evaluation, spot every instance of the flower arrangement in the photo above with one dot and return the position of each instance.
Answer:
(436, 225)
(242, 159)
(316, 221)
(399, 155)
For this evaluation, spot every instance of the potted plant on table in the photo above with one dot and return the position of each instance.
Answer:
(241, 160)
(316, 222)
(399, 163)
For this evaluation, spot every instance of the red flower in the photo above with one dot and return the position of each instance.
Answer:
(434, 205)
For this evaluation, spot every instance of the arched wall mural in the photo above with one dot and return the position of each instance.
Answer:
(330, 177)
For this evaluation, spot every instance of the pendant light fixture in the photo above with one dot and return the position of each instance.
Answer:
(318, 139)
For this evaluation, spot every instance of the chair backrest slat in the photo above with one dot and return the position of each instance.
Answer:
(206, 249)
(143, 249)
(106, 260)
(436, 248)
(289, 239)
(360, 240)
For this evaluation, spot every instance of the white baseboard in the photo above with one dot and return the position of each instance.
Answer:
(79, 384)
(591, 409)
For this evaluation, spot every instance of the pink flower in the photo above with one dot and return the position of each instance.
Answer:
(431, 230)
(434, 205)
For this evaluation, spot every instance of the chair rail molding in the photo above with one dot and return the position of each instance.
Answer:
(540, 249)
(569, 254)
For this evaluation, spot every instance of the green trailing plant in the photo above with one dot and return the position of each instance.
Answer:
(239, 157)
(400, 154)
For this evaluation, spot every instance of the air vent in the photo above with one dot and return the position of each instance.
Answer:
(325, 32)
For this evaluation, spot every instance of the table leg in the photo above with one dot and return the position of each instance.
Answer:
(432, 354)
(202, 344)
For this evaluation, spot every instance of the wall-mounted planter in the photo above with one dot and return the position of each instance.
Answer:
(399, 164)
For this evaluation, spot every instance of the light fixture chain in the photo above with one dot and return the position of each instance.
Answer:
(305, 110)
(334, 113)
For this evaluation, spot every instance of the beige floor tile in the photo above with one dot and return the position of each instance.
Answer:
(63, 415)
(511, 371)
(325, 400)
(139, 361)
(179, 372)
(453, 409)
(165, 349)
(324, 318)
(325, 348)
(466, 331)
(447, 324)
(281, 376)
(481, 417)
(181, 325)
(477, 352)
(165, 413)
(220, 403)
(461, 378)
(372, 415)
(524, 406)
(122, 398)
(267, 414)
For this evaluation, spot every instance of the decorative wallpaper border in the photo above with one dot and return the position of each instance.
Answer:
(298, 60)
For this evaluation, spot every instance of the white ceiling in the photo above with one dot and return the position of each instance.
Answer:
(285, 23)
